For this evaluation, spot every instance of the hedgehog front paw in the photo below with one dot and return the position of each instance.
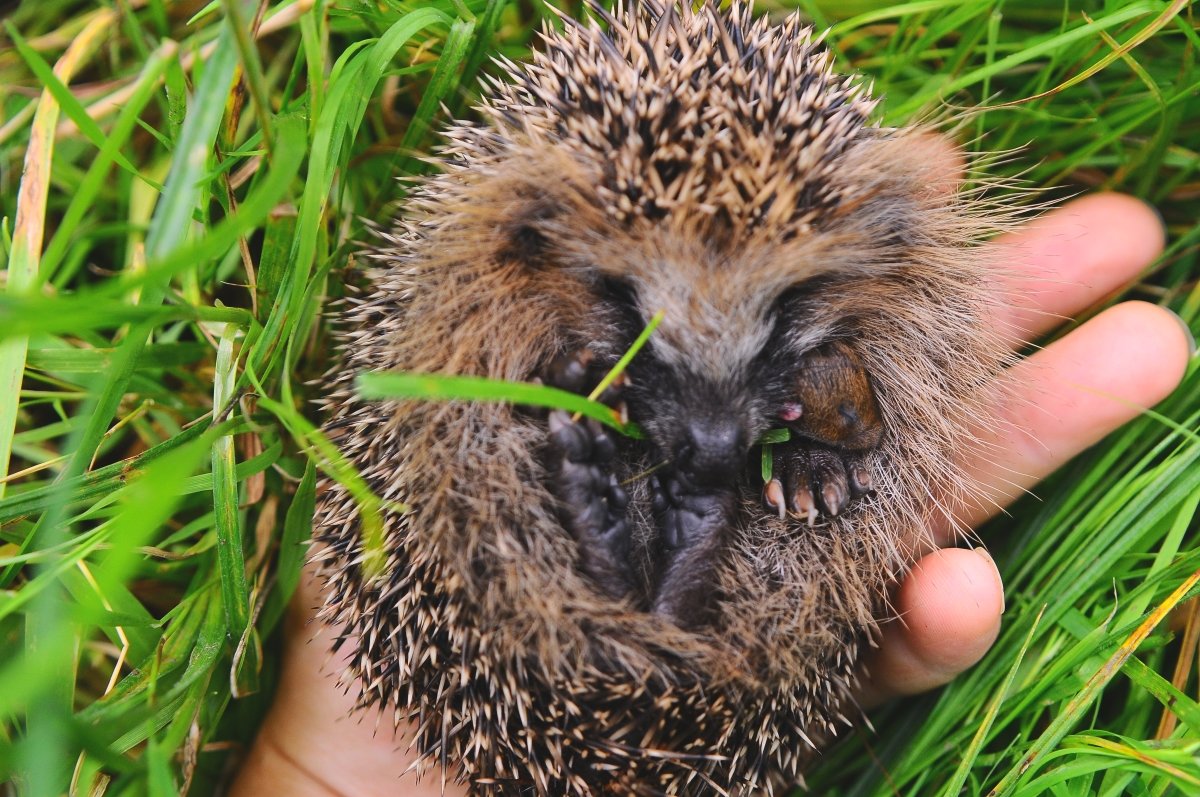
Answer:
(593, 503)
(810, 479)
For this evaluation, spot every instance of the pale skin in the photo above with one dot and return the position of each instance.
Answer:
(1072, 393)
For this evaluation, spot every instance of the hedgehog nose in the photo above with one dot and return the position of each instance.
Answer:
(712, 450)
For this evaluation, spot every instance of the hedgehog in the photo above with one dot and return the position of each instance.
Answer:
(555, 608)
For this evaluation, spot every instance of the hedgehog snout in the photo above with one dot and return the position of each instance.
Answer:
(702, 427)
(711, 449)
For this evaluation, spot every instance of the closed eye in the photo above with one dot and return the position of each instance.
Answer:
(622, 297)
(618, 291)
(792, 301)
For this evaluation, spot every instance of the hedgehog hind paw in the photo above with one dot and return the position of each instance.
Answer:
(693, 525)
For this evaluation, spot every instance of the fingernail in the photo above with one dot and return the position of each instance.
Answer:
(999, 581)
(1187, 331)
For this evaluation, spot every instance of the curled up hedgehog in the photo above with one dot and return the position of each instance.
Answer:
(564, 610)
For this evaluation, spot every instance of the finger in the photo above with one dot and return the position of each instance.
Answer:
(1073, 257)
(1070, 395)
(949, 608)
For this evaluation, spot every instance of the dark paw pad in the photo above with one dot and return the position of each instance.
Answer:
(694, 523)
(592, 500)
(572, 372)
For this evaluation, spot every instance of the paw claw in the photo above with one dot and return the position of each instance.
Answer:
(622, 412)
(773, 497)
(860, 482)
(832, 498)
(803, 503)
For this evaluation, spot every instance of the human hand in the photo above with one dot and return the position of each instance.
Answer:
(951, 601)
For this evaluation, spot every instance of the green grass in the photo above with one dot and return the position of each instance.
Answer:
(192, 199)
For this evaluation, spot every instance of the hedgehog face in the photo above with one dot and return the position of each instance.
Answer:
(744, 313)
(711, 379)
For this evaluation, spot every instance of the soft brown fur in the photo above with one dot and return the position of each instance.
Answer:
(480, 628)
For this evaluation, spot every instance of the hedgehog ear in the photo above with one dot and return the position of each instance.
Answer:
(525, 238)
